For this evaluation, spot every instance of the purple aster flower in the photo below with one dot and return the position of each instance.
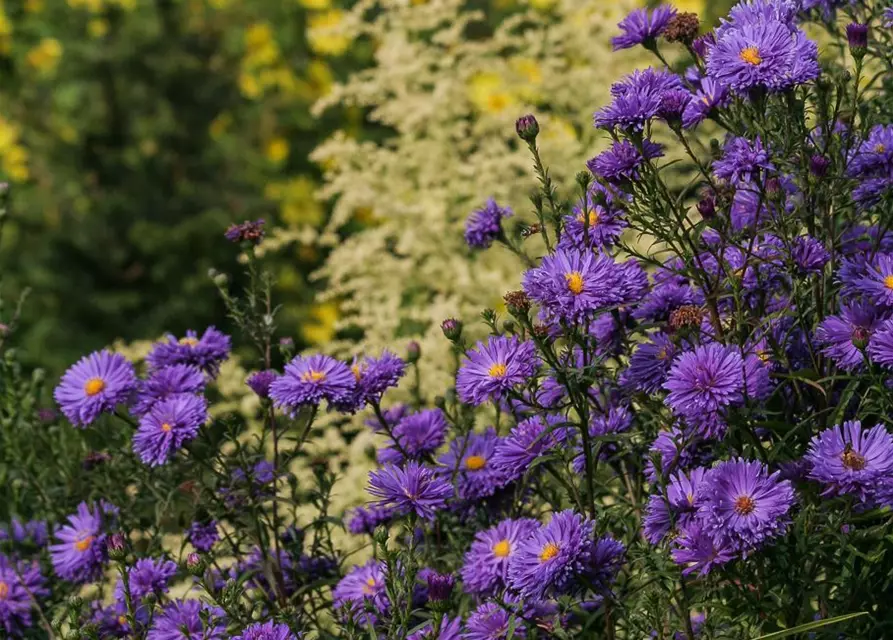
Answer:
(880, 345)
(261, 381)
(392, 418)
(81, 552)
(573, 285)
(702, 44)
(485, 225)
(664, 299)
(621, 163)
(677, 509)
(607, 558)
(33, 532)
(248, 231)
(374, 376)
(362, 584)
(705, 380)
(418, 435)
(203, 535)
(615, 420)
(490, 621)
(166, 382)
(486, 565)
(742, 160)
(673, 105)
(742, 505)
(888, 17)
(414, 488)
(849, 459)
(206, 353)
(554, 558)
(526, 442)
(766, 55)
(710, 96)
(843, 338)
(676, 450)
(471, 458)
(872, 190)
(593, 224)
(310, 380)
(809, 255)
(493, 369)
(857, 37)
(267, 631)
(440, 586)
(20, 584)
(366, 519)
(146, 577)
(169, 426)
(109, 623)
(450, 629)
(696, 550)
(96, 384)
(189, 620)
(877, 281)
(650, 364)
(643, 27)
(637, 99)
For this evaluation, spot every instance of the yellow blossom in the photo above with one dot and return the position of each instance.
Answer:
(487, 92)
(690, 6)
(322, 33)
(542, 5)
(97, 27)
(34, 6)
(220, 124)
(249, 85)
(322, 328)
(320, 76)
(297, 200)
(315, 4)
(45, 56)
(276, 150)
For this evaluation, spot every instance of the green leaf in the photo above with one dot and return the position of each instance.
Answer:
(844, 401)
(809, 626)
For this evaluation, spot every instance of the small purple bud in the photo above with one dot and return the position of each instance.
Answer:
(452, 329)
(248, 231)
(818, 165)
(47, 415)
(440, 586)
(286, 342)
(672, 106)
(94, 459)
(857, 37)
(195, 564)
(413, 352)
(707, 207)
(702, 45)
(260, 382)
(116, 545)
(527, 127)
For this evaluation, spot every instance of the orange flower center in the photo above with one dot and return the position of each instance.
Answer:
(84, 543)
(888, 282)
(744, 505)
(880, 148)
(549, 551)
(574, 282)
(94, 386)
(751, 55)
(369, 587)
(357, 372)
(497, 370)
(853, 460)
(593, 218)
(189, 342)
(4, 590)
(502, 549)
(165, 426)
(313, 376)
(475, 463)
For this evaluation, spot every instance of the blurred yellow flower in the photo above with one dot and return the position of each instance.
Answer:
(276, 150)
(34, 6)
(249, 85)
(320, 76)
(542, 5)
(97, 27)
(315, 4)
(297, 201)
(322, 328)
(528, 88)
(94, 6)
(5, 32)
(690, 6)
(45, 56)
(13, 156)
(322, 33)
(487, 92)
(220, 124)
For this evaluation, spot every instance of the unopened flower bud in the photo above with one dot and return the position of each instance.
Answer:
(818, 165)
(440, 588)
(517, 303)
(413, 352)
(707, 207)
(857, 37)
(682, 28)
(117, 546)
(452, 329)
(195, 564)
(527, 127)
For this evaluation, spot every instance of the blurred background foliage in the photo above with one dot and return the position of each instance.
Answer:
(133, 132)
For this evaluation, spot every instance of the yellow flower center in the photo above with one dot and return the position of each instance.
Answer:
(4, 590)
(751, 55)
(691, 498)
(502, 549)
(662, 354)
(356, 371)
(593, 218)
(122, 620)
(189, 342)
(165, 426)
(84, 543)
(475, 463)
(369, 587)
(744, 505)
(888, 282)
(313, 376)
(880, 148)
(549, 551)
(94, 386)
(497, 370)
(574, 282)
(763, 356)
(852, 460)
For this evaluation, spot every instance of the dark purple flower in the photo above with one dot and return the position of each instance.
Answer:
(643, 27)
(844, 338)
(309, 380)
(366, 519)
(248, 231)
(849, 459)
(705, 380)
(526, 442)
(260, 382)
(650, 364)
(701, 45)
(675, 450)
(20, 584)
(417, 435)
(742, 505)
(266, 631)
(486, 565)
(573, 285)
(170, 425)
(484, 225)
(710, 96)
(554, 558)
(491, 370)
(880, 345)
(696, 550)
(363, 584)
(471, 458)
(146, 576)
(33, 532)
(593, 224)
(374, 376)
(206, 353)
(96, 384)
(81, 552)
(414, 488)
(166, 382)
(818, 165)
(877, 281)
(203, 535)
(621, 163)
(857, 37)
(440, 586)
(527, 128)
(637, 99)
(742, 161)
(189, 620)
(490, 621)
(677, 509)
(809, 254)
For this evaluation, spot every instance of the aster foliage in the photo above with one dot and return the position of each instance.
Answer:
(689, 442)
